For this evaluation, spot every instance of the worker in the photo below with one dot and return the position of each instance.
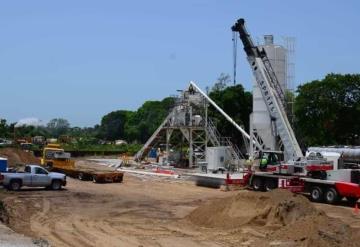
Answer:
(263, 164)
(158, 153)
(249, 163)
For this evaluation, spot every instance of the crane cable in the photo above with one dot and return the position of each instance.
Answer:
(234, 39)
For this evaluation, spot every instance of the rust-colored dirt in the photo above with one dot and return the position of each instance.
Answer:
(17, 157)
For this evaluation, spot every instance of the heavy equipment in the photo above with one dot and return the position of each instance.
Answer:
(312, 174)
(55, 158)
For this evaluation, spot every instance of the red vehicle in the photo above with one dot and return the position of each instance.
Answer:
(319, 180)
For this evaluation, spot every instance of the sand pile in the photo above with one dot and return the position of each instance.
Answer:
(17, 156)
(274, 208)
(280, 215)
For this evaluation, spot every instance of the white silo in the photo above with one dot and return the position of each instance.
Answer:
(261, 121)
(278, 59)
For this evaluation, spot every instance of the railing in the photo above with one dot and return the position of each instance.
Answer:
(213, 133)
(217, 140)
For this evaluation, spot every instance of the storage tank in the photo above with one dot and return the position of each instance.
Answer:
(278, 59)
(260, 117)
(3, 164)
(347, 153)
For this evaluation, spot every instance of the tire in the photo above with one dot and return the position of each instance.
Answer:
(316, 194)
(15, 185)
(81, 176)
(49, 166)
(331, 196)
(270, 184)
(95, 179)
(258, 184)
(352, 200)
(56, 185)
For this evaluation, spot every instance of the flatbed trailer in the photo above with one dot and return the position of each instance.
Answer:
(92, 175)
(320, 190)
(56, 159)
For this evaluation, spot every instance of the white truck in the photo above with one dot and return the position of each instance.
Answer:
(33, 176)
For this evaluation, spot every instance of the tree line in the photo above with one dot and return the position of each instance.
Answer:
(327, 112)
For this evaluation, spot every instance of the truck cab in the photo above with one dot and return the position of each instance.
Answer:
(54, 157)
(269, 158)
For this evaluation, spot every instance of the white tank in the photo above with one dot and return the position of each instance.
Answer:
(348, 153)
(278, 59)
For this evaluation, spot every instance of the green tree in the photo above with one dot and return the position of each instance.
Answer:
(58, 126)
(147, 119)
(328, 111)
(113, 125)
(237, 103)
(6, 130)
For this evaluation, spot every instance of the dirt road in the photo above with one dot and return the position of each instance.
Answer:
(137, 212)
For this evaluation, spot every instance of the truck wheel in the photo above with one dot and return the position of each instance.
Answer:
(258, 184)
(316, 193)
(49, 166)
(56, 185)
(352, 200)
(81, 176)
(331, 196)
(15, 185)
(270, 184)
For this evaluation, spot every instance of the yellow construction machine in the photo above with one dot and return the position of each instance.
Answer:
(56, 159)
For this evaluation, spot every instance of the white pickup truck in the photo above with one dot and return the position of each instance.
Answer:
(34, 176)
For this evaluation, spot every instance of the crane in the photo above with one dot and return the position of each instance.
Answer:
(271, 91)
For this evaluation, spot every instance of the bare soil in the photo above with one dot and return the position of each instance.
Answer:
(277, 218)
(157, 212)
(18, 157)
(134, 213)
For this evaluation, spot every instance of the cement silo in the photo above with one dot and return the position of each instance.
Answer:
(277, 56)
(261, 122)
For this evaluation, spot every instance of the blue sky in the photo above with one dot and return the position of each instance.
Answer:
(82, 59)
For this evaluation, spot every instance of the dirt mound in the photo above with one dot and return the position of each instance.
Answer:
(17, 156)
(275, 208)
(280, 215)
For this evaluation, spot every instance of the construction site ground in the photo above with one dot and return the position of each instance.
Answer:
(149, 211)
(167, 211)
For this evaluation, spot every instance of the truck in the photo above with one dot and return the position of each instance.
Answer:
(55, 158)
(331, 188)
(313, 174)
(33, 176)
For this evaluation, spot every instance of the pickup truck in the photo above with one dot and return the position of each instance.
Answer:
(33, 176)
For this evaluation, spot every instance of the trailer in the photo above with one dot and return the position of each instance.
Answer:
(56, 159)
(91, 175)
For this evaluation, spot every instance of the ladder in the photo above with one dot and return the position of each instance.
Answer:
(271, 91)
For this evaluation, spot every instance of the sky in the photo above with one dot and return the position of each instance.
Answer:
(81, 59)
